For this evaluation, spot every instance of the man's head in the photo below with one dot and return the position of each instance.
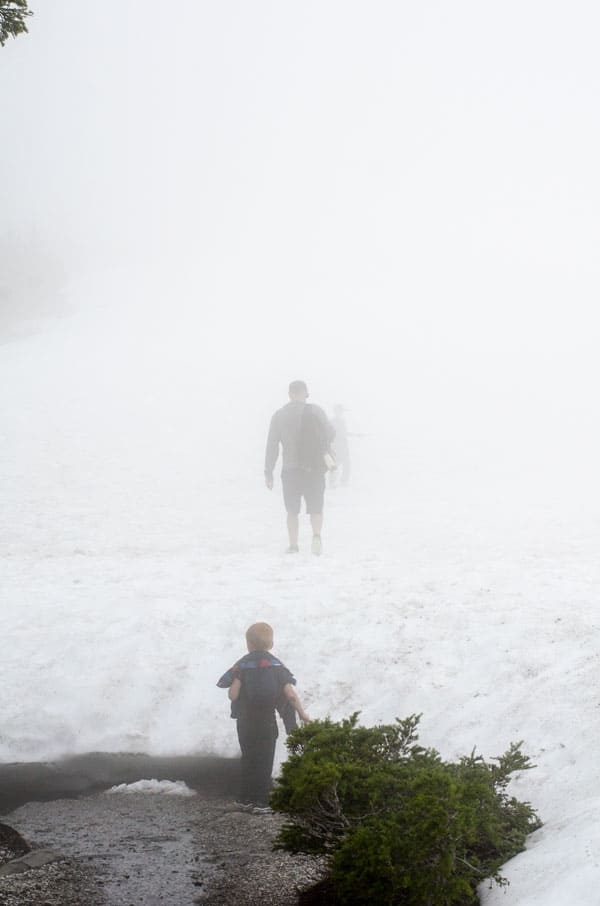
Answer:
(298, 391)
(259, 637)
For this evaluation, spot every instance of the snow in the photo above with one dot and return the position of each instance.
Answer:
(154, 787)
(138, 542)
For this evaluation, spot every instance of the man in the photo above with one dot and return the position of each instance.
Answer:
(341, 450)
(304, 433)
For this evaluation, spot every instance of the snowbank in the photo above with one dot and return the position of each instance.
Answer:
(154, 787)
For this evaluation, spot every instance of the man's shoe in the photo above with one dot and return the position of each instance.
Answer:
(293, 549)
(316, 546)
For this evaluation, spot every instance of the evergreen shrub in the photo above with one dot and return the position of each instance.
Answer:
(397, 825)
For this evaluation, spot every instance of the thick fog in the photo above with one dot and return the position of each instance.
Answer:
(397, 202)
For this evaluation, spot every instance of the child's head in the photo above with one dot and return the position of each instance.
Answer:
(259, 637)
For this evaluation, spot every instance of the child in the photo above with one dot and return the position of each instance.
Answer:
(258, 684)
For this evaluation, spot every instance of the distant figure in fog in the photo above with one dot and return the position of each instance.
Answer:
(258, 685)
(340, 449)
(305, 434)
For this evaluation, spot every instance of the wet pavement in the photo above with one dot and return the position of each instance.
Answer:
(144, 849)
(141, 848)
(132, 848)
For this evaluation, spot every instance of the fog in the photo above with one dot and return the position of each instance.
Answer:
(398, 203)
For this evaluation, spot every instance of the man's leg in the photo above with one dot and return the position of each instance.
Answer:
(314, 492)
(292, 527)
(292, 500)
(316, 521)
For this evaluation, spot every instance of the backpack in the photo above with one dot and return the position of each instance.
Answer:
(263, 678)
(313, 444)
(261, 687)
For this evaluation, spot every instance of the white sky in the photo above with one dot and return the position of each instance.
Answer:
(397, 201)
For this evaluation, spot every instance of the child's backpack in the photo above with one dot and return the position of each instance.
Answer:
(263, 678)
(261, 687)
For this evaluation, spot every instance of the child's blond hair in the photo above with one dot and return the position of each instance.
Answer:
(259, 637)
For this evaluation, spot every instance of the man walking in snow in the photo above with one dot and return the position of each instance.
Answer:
(304, 433)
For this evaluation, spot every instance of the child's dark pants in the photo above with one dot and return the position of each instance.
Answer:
(257, 741)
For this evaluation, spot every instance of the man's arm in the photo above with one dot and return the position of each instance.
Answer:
(272, 451)
(293, 697)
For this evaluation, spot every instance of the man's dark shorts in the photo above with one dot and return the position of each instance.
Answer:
(299, 483)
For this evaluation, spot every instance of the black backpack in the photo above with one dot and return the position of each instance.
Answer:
(312, 441)
(261, 687)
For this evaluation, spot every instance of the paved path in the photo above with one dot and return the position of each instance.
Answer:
(142, 849)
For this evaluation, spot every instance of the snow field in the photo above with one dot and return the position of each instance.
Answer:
(136, 549)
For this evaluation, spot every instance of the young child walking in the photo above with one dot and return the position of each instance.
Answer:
(258, 685)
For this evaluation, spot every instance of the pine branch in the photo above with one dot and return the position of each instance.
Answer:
(12, 19)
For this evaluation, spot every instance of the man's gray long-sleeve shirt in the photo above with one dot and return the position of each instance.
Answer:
(285, 430)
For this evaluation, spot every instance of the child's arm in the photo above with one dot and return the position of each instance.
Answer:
(293, 697)
(234, 690)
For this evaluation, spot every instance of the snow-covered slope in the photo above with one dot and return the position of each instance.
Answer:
(138, 542)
